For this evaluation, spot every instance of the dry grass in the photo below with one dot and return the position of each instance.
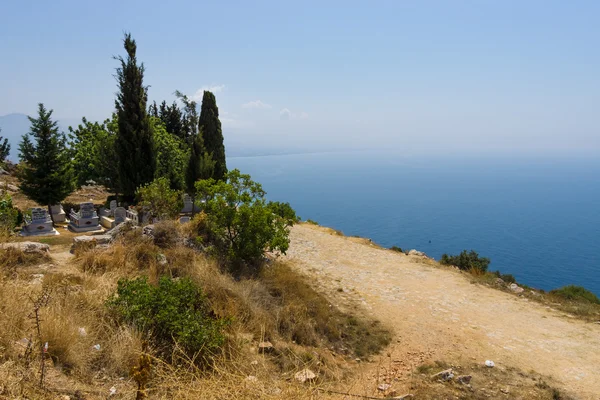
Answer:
(12, 258)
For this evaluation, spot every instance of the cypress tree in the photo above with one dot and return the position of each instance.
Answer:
(210, 126)
(45, 171)
(135, 140)
(200, 166)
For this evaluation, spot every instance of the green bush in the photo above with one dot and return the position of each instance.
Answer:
(285, 211)
(576, 293)
(175, 311)
(10, 216)
(241, 224)
(159, 200)
(310, 221)
(396, 248)
(467, 261)
(508, 278)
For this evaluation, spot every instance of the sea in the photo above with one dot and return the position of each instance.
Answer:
(535, 217)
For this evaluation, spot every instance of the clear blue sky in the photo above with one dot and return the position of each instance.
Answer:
(415, 75)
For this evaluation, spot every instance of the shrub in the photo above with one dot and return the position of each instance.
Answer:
(285, 211)
(467, 261)
(576, 293)
(159, 200)
(396, 248)
(508, 278)
(174, 312)
(310, 221)
(166, 234)
(9, 215)
(240, 222)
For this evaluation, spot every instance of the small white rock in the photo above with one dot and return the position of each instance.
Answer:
(306, 375)
(383, 387)
(489, 363)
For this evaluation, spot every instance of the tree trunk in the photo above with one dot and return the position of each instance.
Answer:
(50, 212)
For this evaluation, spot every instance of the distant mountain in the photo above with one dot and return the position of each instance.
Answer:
(14, 126)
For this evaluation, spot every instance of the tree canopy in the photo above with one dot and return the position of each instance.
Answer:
(4, 148)
(210, 127)
(46, 171)
(135, 148)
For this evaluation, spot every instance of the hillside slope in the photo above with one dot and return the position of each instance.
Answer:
(437, 314)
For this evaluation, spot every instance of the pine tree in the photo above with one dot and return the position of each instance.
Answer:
(210, 126)
(153, 110)
(135, 141)
(4, 149)
(172, 117)
(45, 171)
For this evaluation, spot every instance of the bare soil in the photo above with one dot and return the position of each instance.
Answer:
(438, 314)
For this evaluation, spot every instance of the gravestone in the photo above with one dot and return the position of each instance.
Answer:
(85, 220)
(58, 214)
(113, 207)
(188, 204)
(39, 223)
(133, 216)
(184, 219)
(120, 215)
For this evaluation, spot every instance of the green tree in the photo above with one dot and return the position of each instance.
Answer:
(173, 119)
(135, 141)
(4, 149)
(189, 117)
(467, 261)
(46, 171)
(159, 201)
(200, 166)
(9, 215)
(210, 126)
(241, 219)
(172, 155)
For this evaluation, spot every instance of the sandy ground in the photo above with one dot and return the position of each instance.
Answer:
(437, 314)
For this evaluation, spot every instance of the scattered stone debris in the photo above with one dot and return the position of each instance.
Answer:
(27, 247)
(9, 187)
(96, 240)
(464, 379)
(306, 375)
(445, 375)
(489, 363)
(384, 387)
(516, 288)
(500, 282)
(414, 252)
(120, 229)
(265, 347)
(148, 230)
(161, 259)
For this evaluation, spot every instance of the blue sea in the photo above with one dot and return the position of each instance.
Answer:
(536, 218)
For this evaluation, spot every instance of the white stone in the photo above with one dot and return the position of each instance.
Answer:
(27, 247)
(120, 215)
(489, 363)
(58, 214)
(86, 220)
(40, 224)
(306, 375)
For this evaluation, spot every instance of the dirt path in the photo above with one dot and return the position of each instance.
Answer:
(439, 314)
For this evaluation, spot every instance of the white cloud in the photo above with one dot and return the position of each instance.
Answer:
(257, 104)
(212, 88)
(286, 114)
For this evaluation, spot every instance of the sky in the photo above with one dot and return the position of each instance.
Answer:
(431, 76)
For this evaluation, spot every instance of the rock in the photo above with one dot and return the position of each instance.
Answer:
(93, 241)
(306, 375)
(414, 252)
(445, 375)
(120, 229)
(265, 347)
(464, 379)
(251, 378)
(27, 247)
(384, 387)
(148, 230)
(112, 391)
(516, 288)
(36, 279)
(9, 187)
(3, 172)
(489, 363)
(161, 259)
(254, 362)
(82, 332)
(500, 282)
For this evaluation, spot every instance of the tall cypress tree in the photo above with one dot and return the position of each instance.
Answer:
(210, 126)
(200, 166)
(46, 170)
(135, 140)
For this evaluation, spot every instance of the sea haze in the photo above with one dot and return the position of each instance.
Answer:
(536, 218)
